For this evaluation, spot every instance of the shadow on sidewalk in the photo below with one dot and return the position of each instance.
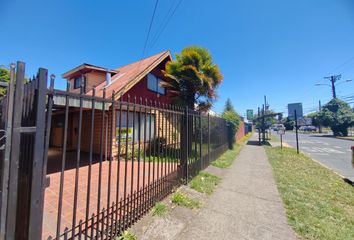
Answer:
(256, 143)
(253, 143)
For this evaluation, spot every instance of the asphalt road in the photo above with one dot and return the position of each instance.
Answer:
(332, 152)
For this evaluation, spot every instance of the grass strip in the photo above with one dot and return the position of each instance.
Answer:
(181, 199)
(127, 236)
(226, 159)
(319, 204)
(160, 209)
(204, 182)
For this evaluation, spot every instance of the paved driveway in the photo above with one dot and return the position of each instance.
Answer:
(98, 199)
(332, 152)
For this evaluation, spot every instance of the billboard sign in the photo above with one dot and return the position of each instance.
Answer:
(291, 111)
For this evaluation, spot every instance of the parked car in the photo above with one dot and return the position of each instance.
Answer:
(308, 128)
(276, 127)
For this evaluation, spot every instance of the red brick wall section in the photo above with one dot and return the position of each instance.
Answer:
(241, 131)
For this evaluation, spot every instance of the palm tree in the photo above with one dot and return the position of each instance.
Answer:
(194, 78)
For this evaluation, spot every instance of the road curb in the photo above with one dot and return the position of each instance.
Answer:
(345, 179)
(342, 138)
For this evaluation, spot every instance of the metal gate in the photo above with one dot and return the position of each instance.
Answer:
(23, 155)
(83, 166)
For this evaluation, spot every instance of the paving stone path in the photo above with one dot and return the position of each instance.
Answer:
(246, 205)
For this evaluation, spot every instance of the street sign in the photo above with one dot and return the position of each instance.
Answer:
(292, 107)
(281, 131)
(304, 122)
(249, 114)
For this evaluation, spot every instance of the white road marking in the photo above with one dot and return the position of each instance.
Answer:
(305, 141)
(322, 150)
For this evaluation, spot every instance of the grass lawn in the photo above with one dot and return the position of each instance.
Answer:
(319, 204)
(226, 159)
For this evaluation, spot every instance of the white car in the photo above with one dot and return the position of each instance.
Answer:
(276, 127)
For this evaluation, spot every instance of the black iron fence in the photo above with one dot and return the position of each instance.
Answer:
(79, 166)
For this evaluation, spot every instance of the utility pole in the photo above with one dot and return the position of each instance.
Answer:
(334, 79)
(296, 133)
(264, 113)
(263, 124)
(319, 110)
(259, 129)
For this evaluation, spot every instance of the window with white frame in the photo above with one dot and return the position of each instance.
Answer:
(154, 84)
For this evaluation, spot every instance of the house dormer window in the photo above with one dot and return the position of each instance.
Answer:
(154, 84)
(77, 82)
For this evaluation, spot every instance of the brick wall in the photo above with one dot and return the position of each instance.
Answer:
(241, 131)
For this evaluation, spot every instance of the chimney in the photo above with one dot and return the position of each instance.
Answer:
(108, 78)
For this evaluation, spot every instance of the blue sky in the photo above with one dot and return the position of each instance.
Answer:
(275, 48)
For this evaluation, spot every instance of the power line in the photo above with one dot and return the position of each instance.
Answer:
(147, 36)
(150, 26)
(343, 64)
(349, 95)
(163, 21)
(158, 34)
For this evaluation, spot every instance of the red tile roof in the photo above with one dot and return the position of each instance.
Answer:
(130, 74)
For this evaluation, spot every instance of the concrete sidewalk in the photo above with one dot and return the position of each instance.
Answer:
(246, 205)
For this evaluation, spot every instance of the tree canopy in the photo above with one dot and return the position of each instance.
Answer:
(194, 78)
(337, 115)
(4, 77)
(233, 120)
(315, 118)
(229, 106)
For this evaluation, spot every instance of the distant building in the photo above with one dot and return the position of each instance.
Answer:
(291, 110)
